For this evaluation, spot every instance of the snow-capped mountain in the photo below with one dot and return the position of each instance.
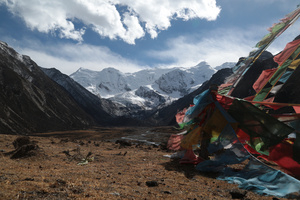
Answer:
(145, 89)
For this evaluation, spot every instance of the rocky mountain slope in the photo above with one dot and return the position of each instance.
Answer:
(30, 101)
(103, 111)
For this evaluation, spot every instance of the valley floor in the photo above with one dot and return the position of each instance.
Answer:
(114, 170)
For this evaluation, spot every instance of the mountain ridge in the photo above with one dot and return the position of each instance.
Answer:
(30, 101)
(129, 89)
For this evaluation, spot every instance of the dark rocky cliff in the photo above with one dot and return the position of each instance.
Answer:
(30, 101)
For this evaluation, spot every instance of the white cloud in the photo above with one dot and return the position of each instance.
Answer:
(73, 56)
(158, 14)
(217, 47)
(220, 45)
(151, 16)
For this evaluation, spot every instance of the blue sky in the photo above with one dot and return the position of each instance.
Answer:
(131, 35)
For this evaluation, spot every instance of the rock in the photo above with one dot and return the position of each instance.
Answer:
(61, 182)
(152, 183)
(20, 141)
(115, 193)
(58, 183)
(25, 151)
(77, 190)
(29, 179)
(123, 143)
(24, 148)
(237, 194)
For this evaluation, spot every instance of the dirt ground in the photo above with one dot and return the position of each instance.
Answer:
(96, 164)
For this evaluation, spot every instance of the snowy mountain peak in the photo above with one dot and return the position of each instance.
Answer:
(175, 81)
(202, 64)
(111, 70)
(146, 88)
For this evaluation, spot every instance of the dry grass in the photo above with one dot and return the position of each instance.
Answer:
(117, 172)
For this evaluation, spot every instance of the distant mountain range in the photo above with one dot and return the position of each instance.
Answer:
(35, 99)
(146, 89)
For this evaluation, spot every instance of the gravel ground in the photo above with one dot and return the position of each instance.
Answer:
(99, 164)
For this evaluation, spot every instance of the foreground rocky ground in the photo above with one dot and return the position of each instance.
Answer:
(97, 164)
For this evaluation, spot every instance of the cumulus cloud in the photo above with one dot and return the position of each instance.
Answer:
(125, 19)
